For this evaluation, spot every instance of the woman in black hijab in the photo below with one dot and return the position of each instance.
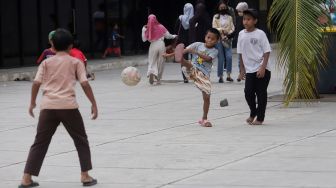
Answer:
(199, 24)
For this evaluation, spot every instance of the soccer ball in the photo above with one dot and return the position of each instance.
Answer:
(130, 76)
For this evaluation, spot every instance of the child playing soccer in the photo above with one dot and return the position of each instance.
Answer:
(57, 75)
(254, 51)
(199, 68)
(49, 52)
(77, 53)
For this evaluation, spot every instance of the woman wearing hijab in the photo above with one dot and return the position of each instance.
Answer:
(182, 29)
(199, 24)
(155, 33)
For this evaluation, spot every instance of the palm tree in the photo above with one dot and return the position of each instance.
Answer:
(301, 45)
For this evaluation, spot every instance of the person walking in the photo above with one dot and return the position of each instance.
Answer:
(182, 28)
(155, 33)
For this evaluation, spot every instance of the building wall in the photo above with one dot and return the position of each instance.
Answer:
(25, 25)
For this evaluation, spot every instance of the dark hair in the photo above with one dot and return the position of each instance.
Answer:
(251, 12)
(62, 39)
(217, 8)
(214, 31)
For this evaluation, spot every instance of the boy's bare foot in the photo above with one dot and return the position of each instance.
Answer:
(179, 52)
(256, 122)
(250, 120)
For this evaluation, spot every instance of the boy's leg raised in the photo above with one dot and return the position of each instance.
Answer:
(179, 56)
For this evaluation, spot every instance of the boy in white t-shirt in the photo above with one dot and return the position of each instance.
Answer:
(254, 50)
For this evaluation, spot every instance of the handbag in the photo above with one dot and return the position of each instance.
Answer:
(227, 43)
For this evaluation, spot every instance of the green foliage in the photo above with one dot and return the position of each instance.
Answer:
(301, 45)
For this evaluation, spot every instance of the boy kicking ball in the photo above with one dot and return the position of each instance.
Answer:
(199, 68)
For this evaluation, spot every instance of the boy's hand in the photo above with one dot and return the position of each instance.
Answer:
(167, 55)
(242, 75)
(94, 112)
(31, 108)
(261, 72)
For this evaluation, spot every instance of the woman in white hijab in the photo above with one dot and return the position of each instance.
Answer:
(182, 28)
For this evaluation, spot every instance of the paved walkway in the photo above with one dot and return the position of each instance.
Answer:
(147, 137)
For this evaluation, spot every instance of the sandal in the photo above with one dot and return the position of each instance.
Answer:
(179, 52)
(32, 184)
(205, 123)
(90, 183)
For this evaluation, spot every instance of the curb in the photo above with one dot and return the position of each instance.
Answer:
(28, 73)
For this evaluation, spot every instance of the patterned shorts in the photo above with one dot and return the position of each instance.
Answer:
(201, 81)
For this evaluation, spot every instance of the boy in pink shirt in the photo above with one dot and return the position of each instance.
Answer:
(58, 75)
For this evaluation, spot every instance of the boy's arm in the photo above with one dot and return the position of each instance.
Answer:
(168, 54)
(34, 91)
(241, 66)
(89, 94)
(261, 71)
(41, 58)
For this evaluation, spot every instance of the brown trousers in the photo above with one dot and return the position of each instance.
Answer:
(47, 125)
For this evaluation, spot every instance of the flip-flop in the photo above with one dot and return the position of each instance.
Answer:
(90, 183)
(205, 123)
(179, 52)
(32, 184)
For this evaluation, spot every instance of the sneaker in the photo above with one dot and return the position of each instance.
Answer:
(229, 79)
(220, 80)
